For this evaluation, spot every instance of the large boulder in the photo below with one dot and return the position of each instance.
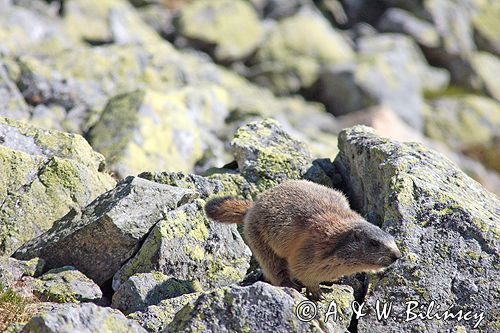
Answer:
(258, 308)
(86, 317)
(445, 224)
(186, 245)
(12, 270)
(229, 28)
(153, 131)
(101, 237)
(43, 175)
(291, 57)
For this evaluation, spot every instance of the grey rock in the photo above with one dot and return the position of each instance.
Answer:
(279, 9)
(12, 270)
(188, 246)
(12, 104)
(445, 224)
(204, 186)
(402, 21)
(66, 284)
(267, 155)
(155, 318)
(144, 289)
(256, 308)
(108, 231)
(86, 317)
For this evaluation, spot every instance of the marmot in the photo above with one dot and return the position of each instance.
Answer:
(304, 231)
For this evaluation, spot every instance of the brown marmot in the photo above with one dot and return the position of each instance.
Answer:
(306, 231)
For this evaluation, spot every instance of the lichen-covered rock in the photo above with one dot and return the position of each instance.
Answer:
(391, 70)
(204, 186)
(106, 21)
(188, 246)
(486, 27)
(290, 57)
(445, 224)
(153, 131)
(86, 317)
(12, 104)
(64, 285)
(278, 9)
(485, 67)
(144, 289)
(256, 308)
(155, 318)
(99, 239)
(463, 121)
(43, 174)
(12, 270)
(402, 21)
(230, 28)
(267, 155)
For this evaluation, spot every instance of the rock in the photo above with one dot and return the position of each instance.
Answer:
(401, 21)
(152, 131)
(231, 29)
(267, 155)
(384, 120)
(463, 121)
(444, 223)
(12, 270)
(106, 21)
(99, 239)
(12, 104)
(485, 67)
(156, 317)
(86, 317)
(144, 289)
(279, 9)
(486, 27)
(43, 174)
(291, 57)
(188, 246)
(391, 71)
(65, 285)
(256, 308)
(204, 186)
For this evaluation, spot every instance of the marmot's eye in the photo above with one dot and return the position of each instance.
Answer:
(374, 243)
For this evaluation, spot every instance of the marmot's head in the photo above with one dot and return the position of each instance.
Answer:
(363, 248)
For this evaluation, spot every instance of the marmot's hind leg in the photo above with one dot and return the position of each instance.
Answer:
(275, 268)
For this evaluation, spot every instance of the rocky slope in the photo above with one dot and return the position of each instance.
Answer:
(120, 119)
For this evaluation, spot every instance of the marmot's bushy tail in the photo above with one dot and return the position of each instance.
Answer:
(227, 209)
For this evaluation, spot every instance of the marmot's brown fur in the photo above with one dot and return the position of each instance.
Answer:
(305, 231)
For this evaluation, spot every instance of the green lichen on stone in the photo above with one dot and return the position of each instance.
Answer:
(221, 23)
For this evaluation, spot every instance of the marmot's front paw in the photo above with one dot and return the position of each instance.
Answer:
(314, 294)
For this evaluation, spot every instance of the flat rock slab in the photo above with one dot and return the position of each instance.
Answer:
(445, 223)
(107, 232)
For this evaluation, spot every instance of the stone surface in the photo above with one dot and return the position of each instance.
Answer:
(485, 67)
(85, 317)
(155, 318)
(188, 246)
(144, 289)
(12, 270)
(230, 28)
(256, 308)
(98, 240)
(153, 131)
(402, 21)
(442, 221)
(291, 58)
(43, 174)
(267, 155)
(64, 285)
